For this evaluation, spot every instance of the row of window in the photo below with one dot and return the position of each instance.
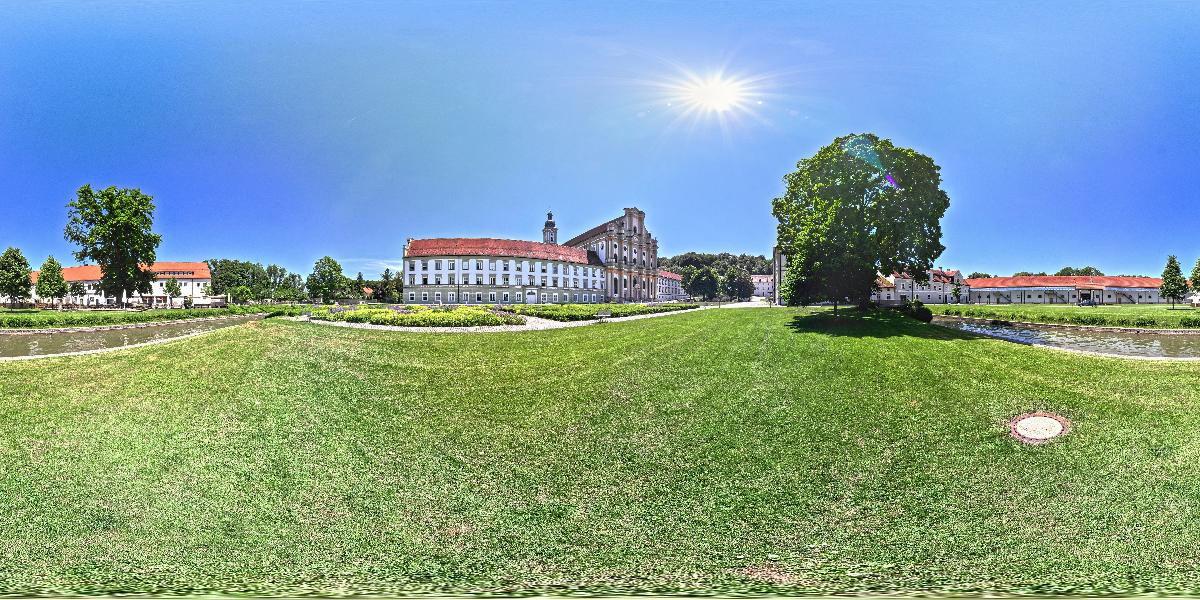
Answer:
(504, 297)
(451, 279)
(503, 266)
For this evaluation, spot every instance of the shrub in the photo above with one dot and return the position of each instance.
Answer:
(420, 316)
(922, 313)
(587, 312)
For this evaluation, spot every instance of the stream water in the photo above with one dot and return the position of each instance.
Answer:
(1119, 343)
(40, 344)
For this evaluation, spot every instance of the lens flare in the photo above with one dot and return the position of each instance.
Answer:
(715, 94)
(717, 97)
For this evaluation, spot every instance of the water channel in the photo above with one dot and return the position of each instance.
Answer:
(1118, 343)
(14, 344)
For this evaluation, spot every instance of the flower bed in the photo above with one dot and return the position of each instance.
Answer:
(421, 316)
(586, 312)
(46, 319)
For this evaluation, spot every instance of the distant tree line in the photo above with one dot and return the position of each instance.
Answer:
(755, 265)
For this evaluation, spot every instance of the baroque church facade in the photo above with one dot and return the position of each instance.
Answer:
(615, 261)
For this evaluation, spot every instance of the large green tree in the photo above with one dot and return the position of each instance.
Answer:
(1196, 277)
(327, 281)
(15, 281)
(979, 275)
(736, 283)
(1174, 286)
(700, 282)
(113, 228)
(228, 273)
(173, 291)
(859, 206)
(276, 275)
(50, 282)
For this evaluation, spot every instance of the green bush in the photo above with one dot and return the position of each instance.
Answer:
(420, 316)
(45, 319)
(587, 312)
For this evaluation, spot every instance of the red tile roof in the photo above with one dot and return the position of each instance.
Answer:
(883, 283)
(198, 270)
(494, 247)
(1064, 281)
(670, 275)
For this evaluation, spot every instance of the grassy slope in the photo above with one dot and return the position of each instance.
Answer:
(1164, 316)
(683, 452)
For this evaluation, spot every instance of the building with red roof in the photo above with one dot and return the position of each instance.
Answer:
(193, 278)
(617, 260)
(670, 286)
(1065, 289)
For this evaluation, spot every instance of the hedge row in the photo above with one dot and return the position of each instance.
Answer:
(45, 319)
(585, 312)
(421, 316)
(1081, 317)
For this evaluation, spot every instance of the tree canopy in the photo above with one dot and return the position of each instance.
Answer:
(857, 207)
(1196, 276)
(1174, 286)
(50, 283)
(700, 282)
(15, 281)
(1028, 274)
(736, 283)
(979, 275)
(758, 265)
(1081, 271)
(112, 228)
(327, 281)
(172, 288)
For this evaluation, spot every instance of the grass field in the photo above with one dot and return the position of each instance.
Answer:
(1112, 315)
(736, 450)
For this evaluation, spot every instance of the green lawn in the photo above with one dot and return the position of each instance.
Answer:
(1113, 315)
(739, 450)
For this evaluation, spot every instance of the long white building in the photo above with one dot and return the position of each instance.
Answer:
(193, 277)
(616, 261)
(1065, 289)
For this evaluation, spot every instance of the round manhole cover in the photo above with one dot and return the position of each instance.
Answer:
(1039, 427)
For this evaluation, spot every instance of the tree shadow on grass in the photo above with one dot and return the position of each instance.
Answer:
(873, 324)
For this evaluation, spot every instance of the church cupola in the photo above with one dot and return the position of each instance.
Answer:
(550, 231)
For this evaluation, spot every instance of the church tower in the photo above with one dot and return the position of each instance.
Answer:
(550, 231)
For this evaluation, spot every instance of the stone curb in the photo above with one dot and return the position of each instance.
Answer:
(986, 320)
(120, 326)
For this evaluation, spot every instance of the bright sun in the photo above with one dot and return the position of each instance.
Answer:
(714, 94)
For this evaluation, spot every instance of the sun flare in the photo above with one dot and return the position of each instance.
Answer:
(715, 94)
(716, 97)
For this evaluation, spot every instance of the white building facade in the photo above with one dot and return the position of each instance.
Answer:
(670, 287)
(616, 261)
(764, 285)
(1066, 289)
(494, 271)
(194, 279)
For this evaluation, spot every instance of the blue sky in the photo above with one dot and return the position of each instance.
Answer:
(1067, 133)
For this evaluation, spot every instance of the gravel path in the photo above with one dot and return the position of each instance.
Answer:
(531, 324)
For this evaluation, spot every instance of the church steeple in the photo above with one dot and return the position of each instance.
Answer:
(550, 231)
